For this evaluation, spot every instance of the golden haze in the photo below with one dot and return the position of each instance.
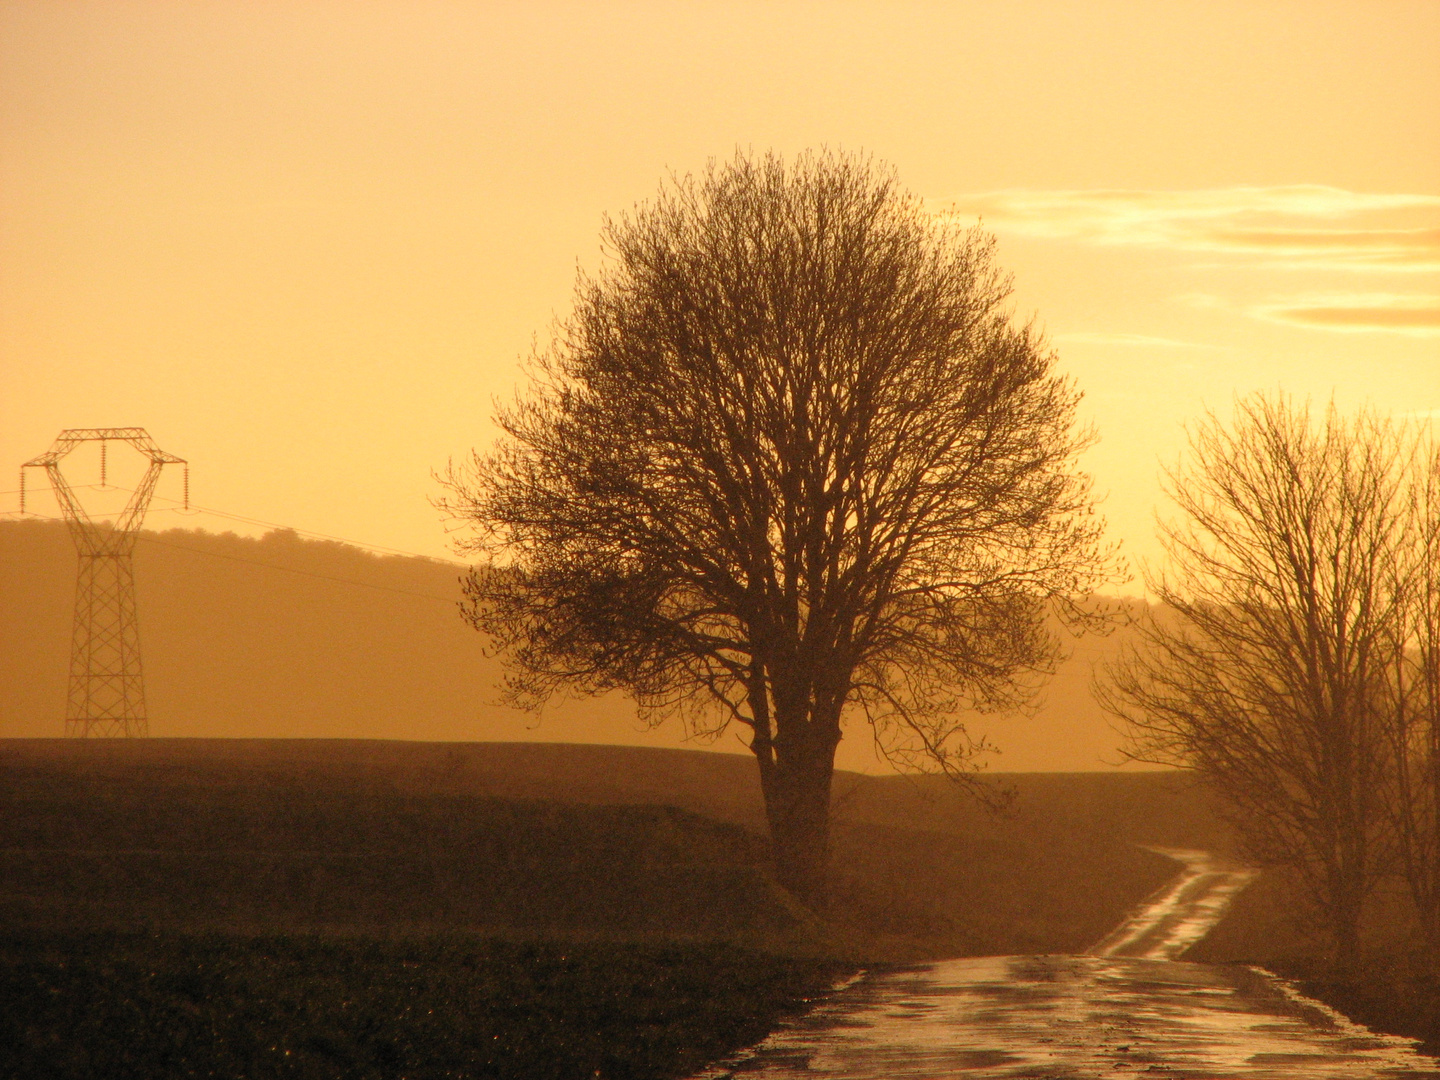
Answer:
(307, 245)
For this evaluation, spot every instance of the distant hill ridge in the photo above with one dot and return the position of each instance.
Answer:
(285, 637)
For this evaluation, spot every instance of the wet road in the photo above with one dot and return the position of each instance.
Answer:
(1180, 914)
(1126, 1008)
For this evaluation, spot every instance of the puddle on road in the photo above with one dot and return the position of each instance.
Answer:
(1129, 1007)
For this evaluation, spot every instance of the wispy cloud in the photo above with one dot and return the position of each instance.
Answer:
(1293, 226)
(1145, 340)
(1402, 314)
(1346, 249)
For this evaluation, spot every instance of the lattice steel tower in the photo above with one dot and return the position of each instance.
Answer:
(107, 686)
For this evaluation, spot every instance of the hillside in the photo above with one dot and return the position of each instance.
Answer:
(283, 637)
(404, 835)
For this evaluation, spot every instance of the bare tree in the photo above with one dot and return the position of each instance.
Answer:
(1413, 708)
(786, 461)
(1265, 667)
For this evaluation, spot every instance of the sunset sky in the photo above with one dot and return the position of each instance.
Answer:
(307, 244)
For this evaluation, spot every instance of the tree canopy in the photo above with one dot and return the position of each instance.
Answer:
(788, 461)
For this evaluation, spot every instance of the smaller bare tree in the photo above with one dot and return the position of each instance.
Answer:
(1413, 710)
(1266, 665)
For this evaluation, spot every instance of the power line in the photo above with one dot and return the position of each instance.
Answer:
(293, 570)
(107, 679)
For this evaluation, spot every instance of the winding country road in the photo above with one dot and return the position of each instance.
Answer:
(1127, 1007)
(1181, 913)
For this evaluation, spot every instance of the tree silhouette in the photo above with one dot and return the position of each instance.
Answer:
(787, 462)
(1412, 711)
(1267, 667)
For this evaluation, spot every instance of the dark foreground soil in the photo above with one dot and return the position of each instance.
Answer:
(156, 1006)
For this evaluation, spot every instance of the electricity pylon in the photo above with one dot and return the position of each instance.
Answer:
(107, 685)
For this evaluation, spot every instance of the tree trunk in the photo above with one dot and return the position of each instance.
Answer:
(1346, 904)
(1347, 946)
(796, 785)
(1430, 928)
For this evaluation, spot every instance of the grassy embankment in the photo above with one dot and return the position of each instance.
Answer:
(1396, 990)
(362, 909)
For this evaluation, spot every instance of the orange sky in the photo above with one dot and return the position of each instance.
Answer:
(305, 244)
